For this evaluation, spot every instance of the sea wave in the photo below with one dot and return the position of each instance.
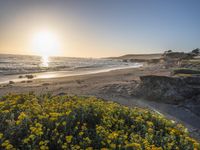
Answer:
(22, 64)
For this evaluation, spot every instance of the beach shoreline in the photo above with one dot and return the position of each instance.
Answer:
(58, 74)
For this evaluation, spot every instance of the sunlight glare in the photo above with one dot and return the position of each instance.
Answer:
(45, 43)
(44, 61)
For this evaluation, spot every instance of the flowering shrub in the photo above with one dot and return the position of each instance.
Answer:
(64, 122)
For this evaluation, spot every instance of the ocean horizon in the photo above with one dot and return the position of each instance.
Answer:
(14, 66)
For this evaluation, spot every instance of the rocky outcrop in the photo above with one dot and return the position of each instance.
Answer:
(173, 90)
(172, 59)
(177, 55)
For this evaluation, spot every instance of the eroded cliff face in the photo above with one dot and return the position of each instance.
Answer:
(174, 90)
(184, 91)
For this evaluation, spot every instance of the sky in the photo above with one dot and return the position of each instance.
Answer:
(98, 28)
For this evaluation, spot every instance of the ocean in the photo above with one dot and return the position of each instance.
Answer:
(12, 66)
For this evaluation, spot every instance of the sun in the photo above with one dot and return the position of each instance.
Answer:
(45, 43)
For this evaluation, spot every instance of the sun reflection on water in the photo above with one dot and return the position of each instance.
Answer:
(45, 61)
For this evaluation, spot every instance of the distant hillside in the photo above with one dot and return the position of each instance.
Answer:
(139, 56)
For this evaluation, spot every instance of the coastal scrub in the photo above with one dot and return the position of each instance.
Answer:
(47, 122)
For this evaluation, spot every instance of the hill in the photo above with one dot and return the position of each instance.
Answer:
(139, 56)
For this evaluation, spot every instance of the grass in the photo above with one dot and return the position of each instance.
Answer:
(64, 122)
(185, 71)
(183, 75)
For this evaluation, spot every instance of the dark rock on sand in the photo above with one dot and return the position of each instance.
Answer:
(20, 76)
(11, 82)
(29, 76)
(45, 84)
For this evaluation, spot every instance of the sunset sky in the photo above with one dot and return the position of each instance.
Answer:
(98, 28)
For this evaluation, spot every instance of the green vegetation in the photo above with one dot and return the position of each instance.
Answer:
(65, 122)
(183, 75)
(185, 71)
(191, 64)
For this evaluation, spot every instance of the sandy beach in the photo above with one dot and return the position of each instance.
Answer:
(115, 85)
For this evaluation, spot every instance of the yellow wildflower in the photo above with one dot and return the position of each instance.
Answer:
(6, 144)
(69, 138)
(150, 124)
(64, 123)
(134, 145)
(81, 133)
(1, 136)
(113, 146)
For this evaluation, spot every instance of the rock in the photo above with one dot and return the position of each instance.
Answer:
(62, 93)
(177, 55)
(20, 76)
(11, 82)
(168, 89)
(124, 60)
(45, 84)
(79, 81)
(154, 61)
(196, 51)
(172, 59)
(29, 76)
